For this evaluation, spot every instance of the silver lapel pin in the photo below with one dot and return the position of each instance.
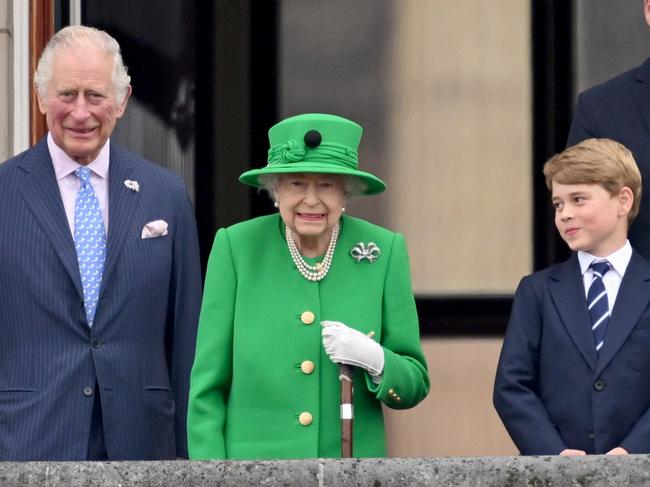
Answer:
(132, 185)
(362, 251)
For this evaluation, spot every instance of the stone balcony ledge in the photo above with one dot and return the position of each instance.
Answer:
(448, 471)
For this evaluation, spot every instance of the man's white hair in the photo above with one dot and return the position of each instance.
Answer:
(82, 37)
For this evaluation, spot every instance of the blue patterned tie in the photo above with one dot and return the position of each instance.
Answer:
(598, 302)
(90, 241)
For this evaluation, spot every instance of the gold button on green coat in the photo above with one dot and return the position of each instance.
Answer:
(307, 317)
(305, 419)
(248, 389)
(307, 367)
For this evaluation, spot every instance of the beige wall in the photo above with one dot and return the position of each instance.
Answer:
(457, 417)
(460, 134)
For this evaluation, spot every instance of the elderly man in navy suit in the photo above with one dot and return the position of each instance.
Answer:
(99, 276)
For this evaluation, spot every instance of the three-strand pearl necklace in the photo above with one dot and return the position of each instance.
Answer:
(312, 272)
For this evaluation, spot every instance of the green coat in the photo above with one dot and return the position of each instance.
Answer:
(247, 386)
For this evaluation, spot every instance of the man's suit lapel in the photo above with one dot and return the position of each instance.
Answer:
(568, 294)
(632, 300)
(122, 203)
(42, 196)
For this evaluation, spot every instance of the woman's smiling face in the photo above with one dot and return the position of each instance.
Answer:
(311, 203)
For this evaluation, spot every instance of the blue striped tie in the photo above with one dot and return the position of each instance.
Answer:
(598, 302)
(90, 242)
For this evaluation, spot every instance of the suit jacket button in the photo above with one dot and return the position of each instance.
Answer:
(599, 385)
(307, 317)
(95, 343)
(307, 367)
(305, 419)
(592, 435)
(88, 391)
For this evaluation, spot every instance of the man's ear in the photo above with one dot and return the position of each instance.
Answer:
(42, 106)
(122, 107)
(625, 200)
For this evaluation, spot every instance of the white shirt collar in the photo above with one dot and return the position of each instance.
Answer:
(619, 259)
(64, 165)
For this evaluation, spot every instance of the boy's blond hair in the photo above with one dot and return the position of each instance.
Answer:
(597, 161)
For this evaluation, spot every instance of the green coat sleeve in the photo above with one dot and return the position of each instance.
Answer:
(405, 380)
(212, 370)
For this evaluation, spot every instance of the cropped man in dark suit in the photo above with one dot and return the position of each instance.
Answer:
(573, 373)
(619, 109)
(99, 276)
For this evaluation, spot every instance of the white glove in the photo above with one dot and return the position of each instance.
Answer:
(346, 345)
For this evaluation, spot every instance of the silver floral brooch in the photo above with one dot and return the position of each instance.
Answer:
(132, 185)
(362, 251)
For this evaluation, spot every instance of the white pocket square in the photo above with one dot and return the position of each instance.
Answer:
(156, 228)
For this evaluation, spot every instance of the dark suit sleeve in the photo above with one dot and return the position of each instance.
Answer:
(183, 314)
(584, 124)
(515, 388)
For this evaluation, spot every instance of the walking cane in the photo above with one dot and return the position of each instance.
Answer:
(347, 413)
(347, 406)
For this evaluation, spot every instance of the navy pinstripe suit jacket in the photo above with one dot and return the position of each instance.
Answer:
(141, 347)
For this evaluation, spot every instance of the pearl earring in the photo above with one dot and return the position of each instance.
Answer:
(276, 204)
(343, 210)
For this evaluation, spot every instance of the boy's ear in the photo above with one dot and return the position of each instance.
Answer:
(625, 199)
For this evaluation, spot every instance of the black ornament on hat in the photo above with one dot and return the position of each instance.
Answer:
(313, 138)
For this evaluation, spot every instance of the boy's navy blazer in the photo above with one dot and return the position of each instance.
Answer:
(140, 348)
(619, 109)
(552, 390)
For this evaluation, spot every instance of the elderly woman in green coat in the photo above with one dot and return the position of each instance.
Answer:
(290, 296)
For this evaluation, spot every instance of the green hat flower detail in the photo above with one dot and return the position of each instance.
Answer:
(292, 151)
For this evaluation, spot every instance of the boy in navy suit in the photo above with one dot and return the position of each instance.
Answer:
(574, 373)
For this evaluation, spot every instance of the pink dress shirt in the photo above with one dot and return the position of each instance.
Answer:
(64, 168)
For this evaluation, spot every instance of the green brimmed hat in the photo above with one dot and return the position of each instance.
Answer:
(315, 143)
